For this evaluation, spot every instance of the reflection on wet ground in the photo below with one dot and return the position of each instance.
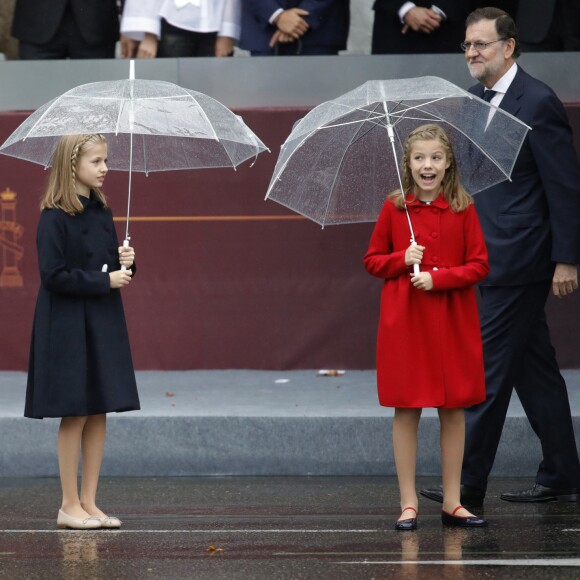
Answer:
(281, 527)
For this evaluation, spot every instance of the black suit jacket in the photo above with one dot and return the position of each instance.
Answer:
(533, 222)
(388, 39)
(36, 21)
(538, 22)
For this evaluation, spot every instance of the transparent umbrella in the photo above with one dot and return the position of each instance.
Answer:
(150, 126)
(341, 161)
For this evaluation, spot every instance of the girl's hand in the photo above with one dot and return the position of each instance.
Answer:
(414, 254)
(422, 281)
(148, 46)
(126, 256)
(120, 278)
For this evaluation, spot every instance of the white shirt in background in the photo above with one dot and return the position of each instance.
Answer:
(221, 16)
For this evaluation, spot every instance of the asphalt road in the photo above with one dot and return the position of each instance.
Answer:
(278, 528)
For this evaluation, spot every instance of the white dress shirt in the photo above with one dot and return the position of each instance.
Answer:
(221, 16)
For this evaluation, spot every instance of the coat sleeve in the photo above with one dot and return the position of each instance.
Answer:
(318, 10)
(553, 149)
(380, 259)
(141, 16)
(55, 275)
(475, 267)
(262, 10)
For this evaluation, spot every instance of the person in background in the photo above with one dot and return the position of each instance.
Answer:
(429, 345)
(179, 28)
(549, 25)
(58, 29)
(531, 226)
(418, 27)
(294, 27)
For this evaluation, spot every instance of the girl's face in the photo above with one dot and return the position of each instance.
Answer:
(91, 168)
(428, 162)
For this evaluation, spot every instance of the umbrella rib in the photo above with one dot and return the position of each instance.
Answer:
(42, 116)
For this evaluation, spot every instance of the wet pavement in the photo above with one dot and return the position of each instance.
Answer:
(279, 528)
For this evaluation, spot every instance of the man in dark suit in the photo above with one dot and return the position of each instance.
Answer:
(49, 29)
(419, 27)
(549, 25)
(532, 230)
(294, 27)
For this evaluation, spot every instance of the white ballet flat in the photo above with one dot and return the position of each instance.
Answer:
(65, 521)
(110, 522)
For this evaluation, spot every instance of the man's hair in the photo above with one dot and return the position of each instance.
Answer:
(504, 24)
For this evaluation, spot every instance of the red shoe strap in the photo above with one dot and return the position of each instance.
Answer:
(411, 508)
(457, 509)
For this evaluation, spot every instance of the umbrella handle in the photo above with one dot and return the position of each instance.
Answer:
(125, 245)
(416, 269)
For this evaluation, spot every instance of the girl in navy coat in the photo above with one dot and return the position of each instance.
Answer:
(80, 364)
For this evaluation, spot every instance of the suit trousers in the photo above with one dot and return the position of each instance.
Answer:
(518, 353)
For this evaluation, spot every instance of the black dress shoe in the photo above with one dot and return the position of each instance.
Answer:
(407, 525)
(451, 520)
(539, 493)
(471, 497)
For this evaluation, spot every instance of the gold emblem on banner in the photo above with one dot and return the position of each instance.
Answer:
(10, 233)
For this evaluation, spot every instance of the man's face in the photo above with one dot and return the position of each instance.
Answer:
(488, 64)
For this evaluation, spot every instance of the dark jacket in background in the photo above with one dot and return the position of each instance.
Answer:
(328, 21)
(388, 39)
(37, 21)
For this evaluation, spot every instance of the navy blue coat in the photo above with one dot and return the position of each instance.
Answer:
(328, 21)
(80, 360)
(533, 222)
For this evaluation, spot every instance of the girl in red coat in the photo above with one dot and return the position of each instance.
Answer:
(429, 351)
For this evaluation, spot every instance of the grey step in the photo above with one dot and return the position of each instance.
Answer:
(243, 422)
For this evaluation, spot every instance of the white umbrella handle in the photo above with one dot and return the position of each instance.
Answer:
(416, 269)
(125, 245)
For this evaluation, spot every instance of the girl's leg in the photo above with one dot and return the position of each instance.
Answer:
(452, 444)
(93, 444)
(405, 427)
(69, 443)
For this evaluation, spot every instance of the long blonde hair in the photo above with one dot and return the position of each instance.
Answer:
(61, 191)
(453, 190)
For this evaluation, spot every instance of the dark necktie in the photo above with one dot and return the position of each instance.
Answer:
(488, 95)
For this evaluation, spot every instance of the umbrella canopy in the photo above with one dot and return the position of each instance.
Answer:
(341, 161)
(150, 126)
(173, 127)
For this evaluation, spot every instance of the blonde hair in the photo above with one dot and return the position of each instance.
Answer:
(453, 190)
(61, 191)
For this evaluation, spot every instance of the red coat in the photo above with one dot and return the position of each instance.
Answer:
(429, 351)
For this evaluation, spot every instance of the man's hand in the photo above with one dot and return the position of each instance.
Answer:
(565, 280)
(280, 37)
(421, 20)
(291, 22)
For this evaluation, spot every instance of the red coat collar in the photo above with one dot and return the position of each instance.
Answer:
(439, 202)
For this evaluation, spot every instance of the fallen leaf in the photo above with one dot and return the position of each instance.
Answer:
(169, 394)
(213, 549)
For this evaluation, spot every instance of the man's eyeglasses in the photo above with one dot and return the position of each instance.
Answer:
(479, 46)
